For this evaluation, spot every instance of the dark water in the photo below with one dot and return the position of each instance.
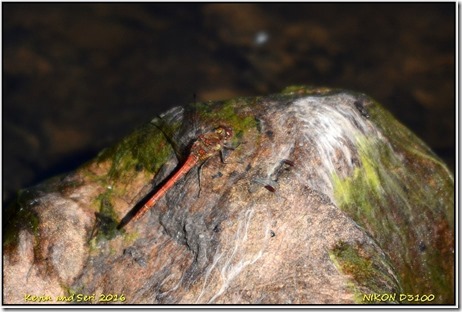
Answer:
(79, 76)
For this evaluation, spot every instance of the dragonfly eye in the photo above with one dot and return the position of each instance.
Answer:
(228, 132)
(224, 131)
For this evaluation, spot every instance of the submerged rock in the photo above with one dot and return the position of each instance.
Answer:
(325, 198)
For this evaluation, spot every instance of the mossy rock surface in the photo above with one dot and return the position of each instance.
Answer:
(324, 198)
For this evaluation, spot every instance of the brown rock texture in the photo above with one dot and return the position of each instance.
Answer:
(324, 199)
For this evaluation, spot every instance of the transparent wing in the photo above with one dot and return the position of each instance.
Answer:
(178, 127)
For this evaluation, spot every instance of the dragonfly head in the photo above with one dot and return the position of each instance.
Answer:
(224, 132)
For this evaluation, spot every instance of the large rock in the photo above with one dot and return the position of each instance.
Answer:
(326, 198)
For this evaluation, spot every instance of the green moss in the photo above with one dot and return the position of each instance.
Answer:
(225, 113)
(21, 216)
(364, 184)
(347, 258)
(106, 225)
(307, 90)
(146, 148)
(367, 270)
(400, 193)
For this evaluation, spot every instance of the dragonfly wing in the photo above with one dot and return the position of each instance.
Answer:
(177, 129)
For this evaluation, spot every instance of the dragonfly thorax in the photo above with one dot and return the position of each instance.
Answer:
(224, 132)
(208, 144)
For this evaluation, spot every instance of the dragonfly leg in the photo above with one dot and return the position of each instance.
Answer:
(199, 175)
(222, 155)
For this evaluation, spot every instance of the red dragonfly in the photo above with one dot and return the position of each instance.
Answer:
(206, 145)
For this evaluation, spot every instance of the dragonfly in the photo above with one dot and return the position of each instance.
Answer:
(206, 146)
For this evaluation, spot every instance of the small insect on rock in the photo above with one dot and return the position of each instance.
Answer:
(360, 107)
